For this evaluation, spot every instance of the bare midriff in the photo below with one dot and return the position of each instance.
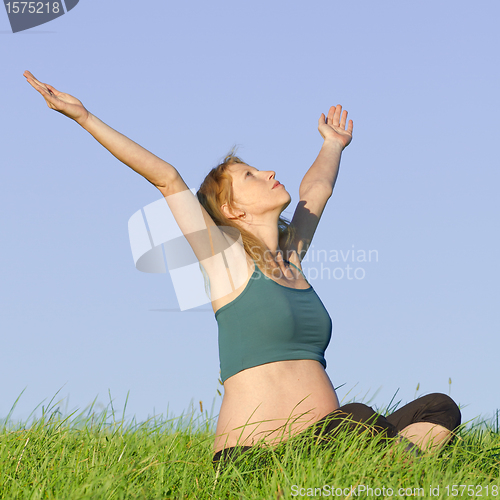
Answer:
(268, 404)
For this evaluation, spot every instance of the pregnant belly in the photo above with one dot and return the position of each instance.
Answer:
(272, 402)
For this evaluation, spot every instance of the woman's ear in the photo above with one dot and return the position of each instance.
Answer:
(229, 213)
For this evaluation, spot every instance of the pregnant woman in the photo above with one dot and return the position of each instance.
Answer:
(273, 327)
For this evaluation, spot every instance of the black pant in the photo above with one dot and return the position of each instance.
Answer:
(434, 408)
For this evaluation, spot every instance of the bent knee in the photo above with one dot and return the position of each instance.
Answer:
(447, 408)
(358, 411)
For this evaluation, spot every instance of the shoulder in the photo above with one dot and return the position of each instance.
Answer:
(240, 277)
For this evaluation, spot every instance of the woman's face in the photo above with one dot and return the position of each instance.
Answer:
(254, 192)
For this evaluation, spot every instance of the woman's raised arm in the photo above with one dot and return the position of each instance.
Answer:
(199, 229)
(154, 169)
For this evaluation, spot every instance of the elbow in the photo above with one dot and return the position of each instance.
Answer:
(325, 189)
(162, 182)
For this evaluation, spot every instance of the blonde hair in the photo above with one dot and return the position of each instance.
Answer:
(216, 190)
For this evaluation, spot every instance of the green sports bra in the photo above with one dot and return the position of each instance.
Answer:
(269, 322)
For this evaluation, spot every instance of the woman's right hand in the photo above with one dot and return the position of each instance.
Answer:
(63, 103)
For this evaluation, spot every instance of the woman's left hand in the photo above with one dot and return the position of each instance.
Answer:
(333, 127)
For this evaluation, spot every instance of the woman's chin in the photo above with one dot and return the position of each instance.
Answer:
(287, 203)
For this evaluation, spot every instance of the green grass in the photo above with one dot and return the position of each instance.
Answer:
(93, 455)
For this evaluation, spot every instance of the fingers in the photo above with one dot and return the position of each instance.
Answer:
(52, 89)
(46, 93)
(338, 118)
(29, 75)
(334, 115)
(331, 115)
(37, 86)
(343, 118)
(45, 86)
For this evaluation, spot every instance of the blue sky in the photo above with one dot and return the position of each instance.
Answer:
(187, 80)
